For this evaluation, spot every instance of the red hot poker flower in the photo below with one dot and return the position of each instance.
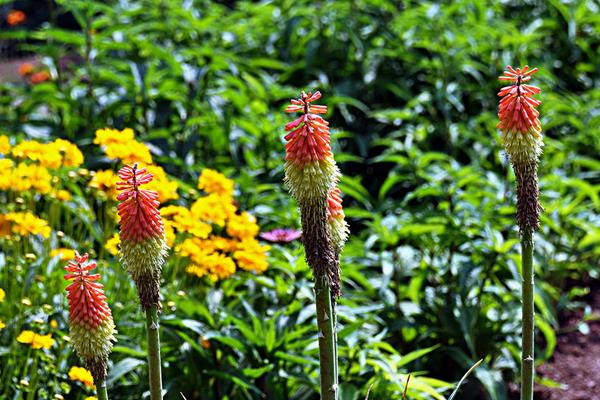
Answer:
(90, 320)
(309, 138)
(143, 246)
(140, 218)
(87, 302)
(517, 111)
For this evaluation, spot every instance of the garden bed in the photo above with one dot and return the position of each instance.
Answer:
(576, 360)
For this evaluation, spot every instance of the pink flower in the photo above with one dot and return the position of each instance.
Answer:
(281, 235)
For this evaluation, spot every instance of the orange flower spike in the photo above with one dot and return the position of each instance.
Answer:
(90, 320)
(522, 140)
(310, 168)
(310, 173)
(517, 107)
(143, 243)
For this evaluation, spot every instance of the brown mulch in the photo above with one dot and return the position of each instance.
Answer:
(576, 360)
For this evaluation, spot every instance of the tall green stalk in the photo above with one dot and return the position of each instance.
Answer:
(327, 339)
(527, 368)
(101, 390)
(154, 367)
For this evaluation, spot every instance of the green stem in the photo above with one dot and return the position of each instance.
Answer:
(327, 345)
(101, 389)
(527, 368)
(152, 326)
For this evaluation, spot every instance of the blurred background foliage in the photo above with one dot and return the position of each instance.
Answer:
(431, 274)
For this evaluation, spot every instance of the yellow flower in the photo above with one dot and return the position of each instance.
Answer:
(242, 226)
(212, 181)
(36, 151)
(71, 155)
(122, 145)
(53, 324)
(108, 136)
(2, 295)
(62, 195)
(112, 244)
(169, 233)
(24, 223)
(213, 209)
(42, 341)
(222, 244)
(51, 155)
(182, 219)
(105, 181)
(4, 144)
(25, 337)
(82, 375)
(129, 152)
(24, 177)
(216, 266)
(64, 254)
(251, 256)
(166, 188)
(90, 398)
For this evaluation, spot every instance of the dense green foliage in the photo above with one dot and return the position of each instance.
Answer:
(431, 273)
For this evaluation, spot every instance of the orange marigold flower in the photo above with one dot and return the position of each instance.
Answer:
(39, 77)
(25, 69)
(517, 111)
(15, 17)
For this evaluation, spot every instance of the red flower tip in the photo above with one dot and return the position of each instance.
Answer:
(334, 204)
(87, 302)
(140, 218)
(517, 111)
(309, 138)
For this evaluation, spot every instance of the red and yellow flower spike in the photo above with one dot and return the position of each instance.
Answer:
(522, 140)
(310, 169)
(143, 245)
(518, 116)
(91, 324)
(310, 174)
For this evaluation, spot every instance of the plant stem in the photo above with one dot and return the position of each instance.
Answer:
(101, 390)
(527, 367)
(152, 326)
(327, 345)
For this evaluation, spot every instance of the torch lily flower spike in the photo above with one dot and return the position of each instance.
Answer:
(143, 245)
(91, 324)
(143, 253)
(310, 175)
(522, 140)
(310, 169)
